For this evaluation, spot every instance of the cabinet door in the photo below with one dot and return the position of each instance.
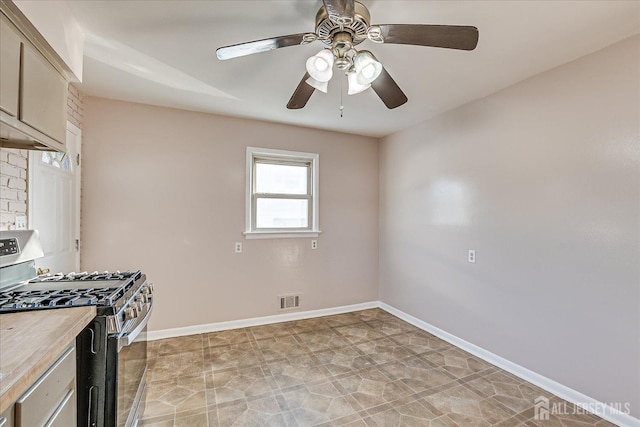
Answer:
(9, 67)
(44, 95)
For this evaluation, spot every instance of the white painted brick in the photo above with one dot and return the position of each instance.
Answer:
(7, 218)
(4, 205)
(17, 183)
(18, 207)
(4, 155)
(22, 195)
(24, 153)
(10, 170)
(23, 173)
(8, 193)
(17, 160)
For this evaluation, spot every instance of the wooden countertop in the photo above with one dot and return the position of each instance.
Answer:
(31, 341)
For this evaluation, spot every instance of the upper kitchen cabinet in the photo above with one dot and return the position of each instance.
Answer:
(10, 46)
(43, 95)
(33, 86)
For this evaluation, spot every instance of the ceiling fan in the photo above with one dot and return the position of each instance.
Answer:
(342, 25)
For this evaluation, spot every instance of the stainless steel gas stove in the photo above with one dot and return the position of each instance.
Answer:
(111, 360)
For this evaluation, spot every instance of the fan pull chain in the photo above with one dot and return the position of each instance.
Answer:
(341, 106)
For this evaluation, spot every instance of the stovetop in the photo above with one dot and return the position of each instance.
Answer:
(84, 276)
(69, 290)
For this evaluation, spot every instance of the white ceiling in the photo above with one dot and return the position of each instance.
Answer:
(163, 53)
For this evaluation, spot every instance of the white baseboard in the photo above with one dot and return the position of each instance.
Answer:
(256, 321)
(598, 408)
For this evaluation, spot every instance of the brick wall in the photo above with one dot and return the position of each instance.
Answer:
(13, 186)
(74, 106)
(14, 198)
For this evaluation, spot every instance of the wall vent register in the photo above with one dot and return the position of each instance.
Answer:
(288, 302)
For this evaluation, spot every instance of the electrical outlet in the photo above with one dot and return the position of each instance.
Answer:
(21, 222)
(314, 244)
(472, 256)
(238, 247)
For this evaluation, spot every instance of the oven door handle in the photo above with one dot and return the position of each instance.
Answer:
(129, 338)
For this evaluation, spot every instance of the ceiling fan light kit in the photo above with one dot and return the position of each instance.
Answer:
(320, 65)
(322, 86)
(354, 86)
(342, 25)
(366, 67)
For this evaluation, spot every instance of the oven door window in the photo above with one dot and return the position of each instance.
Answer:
(132, 364)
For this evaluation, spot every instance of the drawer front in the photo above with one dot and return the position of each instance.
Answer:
(6, 419)
(65, 415)
(40, 402)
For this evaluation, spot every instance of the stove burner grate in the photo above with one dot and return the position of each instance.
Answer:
(59, 298)
(60, 277)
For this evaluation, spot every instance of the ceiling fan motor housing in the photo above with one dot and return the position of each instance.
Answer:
(326, 29)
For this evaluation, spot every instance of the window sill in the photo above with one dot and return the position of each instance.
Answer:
(280, 234)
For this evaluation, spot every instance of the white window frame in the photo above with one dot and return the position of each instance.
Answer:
(283, 156)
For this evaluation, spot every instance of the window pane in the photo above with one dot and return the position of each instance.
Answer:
(281, 179)
(282, 213)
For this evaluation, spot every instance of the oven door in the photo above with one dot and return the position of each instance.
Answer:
(127, 355)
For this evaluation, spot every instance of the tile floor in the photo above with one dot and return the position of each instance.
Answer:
(361, 369)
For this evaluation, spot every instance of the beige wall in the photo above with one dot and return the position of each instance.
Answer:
(543, 181)
(163, 191)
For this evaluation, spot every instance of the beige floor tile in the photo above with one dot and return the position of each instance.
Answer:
(199, 420)
(342, 319)
(343, 360)
(280, 347)
(270, 331)
(297, 370)
(359, 332)
(222, 338)
(384, 350)
(321, 339)
(373, 314)
(420, 342)
(308, 325)
(361, 369)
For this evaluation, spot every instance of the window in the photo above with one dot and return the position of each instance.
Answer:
(57, 160)
(282, 194)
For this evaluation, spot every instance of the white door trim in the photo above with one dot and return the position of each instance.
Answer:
(78, 133)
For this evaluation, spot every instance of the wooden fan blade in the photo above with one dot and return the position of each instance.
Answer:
(301, 95)
(446, 36)
(388, 90)
(257, 46)
(340, 11)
